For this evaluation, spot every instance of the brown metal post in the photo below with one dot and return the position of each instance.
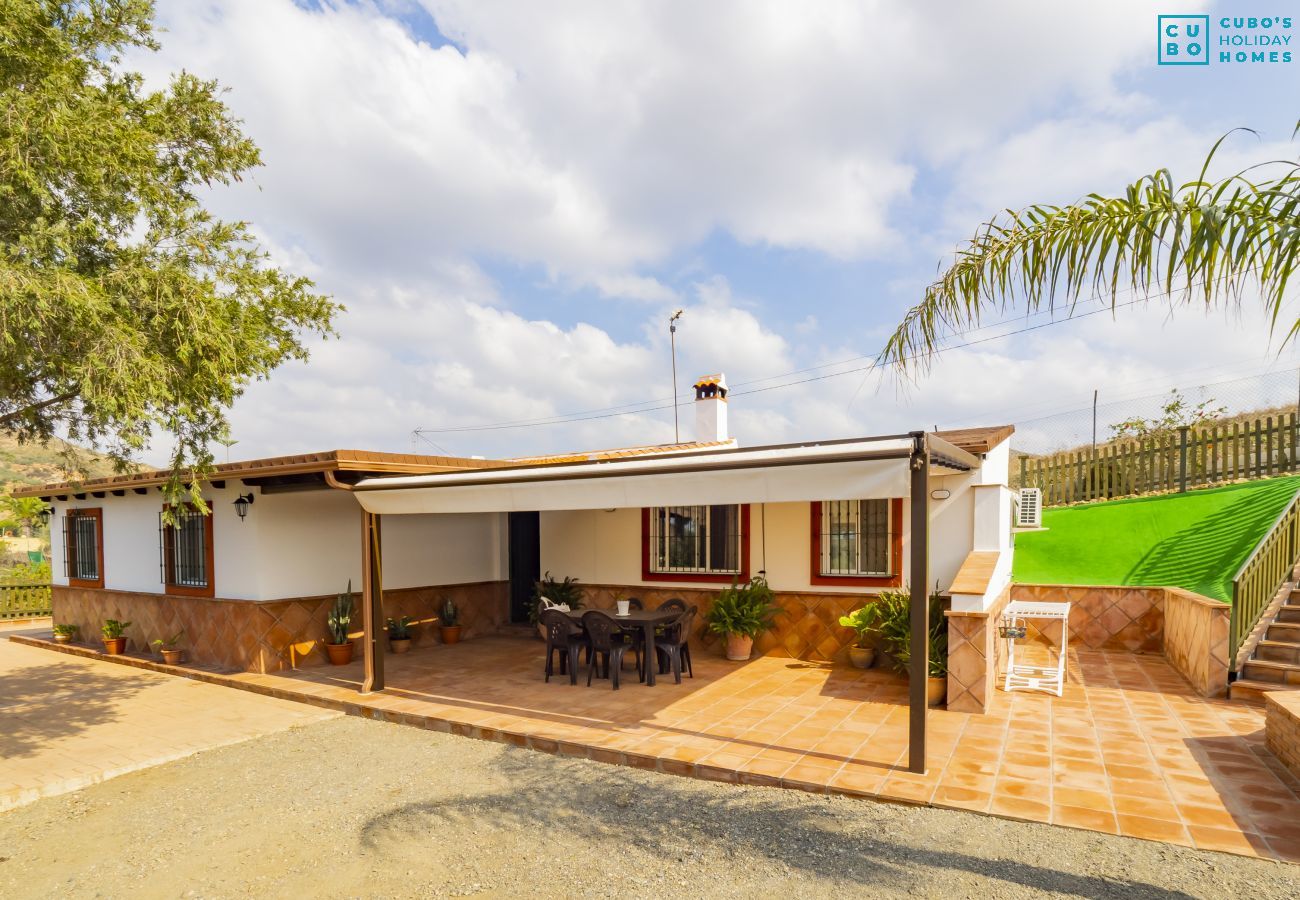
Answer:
(920, 589)
(372, 603)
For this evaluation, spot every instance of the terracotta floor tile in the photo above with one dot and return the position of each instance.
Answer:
(1148, 807)
(1079, 817)
(1021, 808)
(1228, 840)
(1085, 799)
(1150, 788)
(962, 798)
(1152, 829)
(1038, 790)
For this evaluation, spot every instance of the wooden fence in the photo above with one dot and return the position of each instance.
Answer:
(1178, 460)
(1260, 577)
(24, 601)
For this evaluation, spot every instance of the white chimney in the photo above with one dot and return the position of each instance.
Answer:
(711, 408)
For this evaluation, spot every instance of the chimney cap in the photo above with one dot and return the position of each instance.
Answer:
(705, 380)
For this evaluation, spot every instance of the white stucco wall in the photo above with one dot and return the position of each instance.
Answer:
(602, 547)
(299, 544)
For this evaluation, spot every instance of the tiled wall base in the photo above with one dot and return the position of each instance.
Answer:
(267, 637)
(808, 626)
(973, 651)
(1282, 727)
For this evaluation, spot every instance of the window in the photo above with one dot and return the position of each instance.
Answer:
(185, 552)
(857, 542)
(83, 547)
(695, 543)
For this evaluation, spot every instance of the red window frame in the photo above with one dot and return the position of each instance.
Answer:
(696, 577)
(169, 574)
(71, 549)
(895, 553)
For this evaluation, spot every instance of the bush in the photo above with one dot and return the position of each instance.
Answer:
(745, 610)
(566, 591)
(896, 631)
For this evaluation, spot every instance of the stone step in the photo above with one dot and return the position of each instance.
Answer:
(1278, 651)
(1276, 672)
(1284, 632)
(1288, 614)
(1244, 690)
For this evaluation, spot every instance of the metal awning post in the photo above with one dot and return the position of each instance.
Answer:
(372, 603)
(920, 584)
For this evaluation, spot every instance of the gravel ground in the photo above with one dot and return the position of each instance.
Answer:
(352, 807)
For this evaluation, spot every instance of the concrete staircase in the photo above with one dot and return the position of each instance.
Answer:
(1275, 663)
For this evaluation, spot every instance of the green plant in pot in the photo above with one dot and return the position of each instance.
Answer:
(399, 634)
(450, 618)
(865, 623)
(741, 613)
(562, 593)
(168, 648)
(896, 637)
(340, 647)
(114, 633)
(65, 634)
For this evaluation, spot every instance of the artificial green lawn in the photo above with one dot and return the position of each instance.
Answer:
(1196, 540)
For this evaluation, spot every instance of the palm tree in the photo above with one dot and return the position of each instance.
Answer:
(25, 510)
(1200, 242)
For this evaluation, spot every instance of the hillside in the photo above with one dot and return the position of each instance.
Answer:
(35, 464)
(1196, 540)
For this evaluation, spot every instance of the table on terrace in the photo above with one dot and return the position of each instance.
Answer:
(647, 620)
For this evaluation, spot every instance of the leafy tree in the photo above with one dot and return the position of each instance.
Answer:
(128, 309)
(25, 511)
(1203, 241)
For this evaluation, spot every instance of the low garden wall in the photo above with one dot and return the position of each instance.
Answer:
(1282, 727)
(272, 636)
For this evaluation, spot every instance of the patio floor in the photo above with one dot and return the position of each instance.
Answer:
(1129, 749)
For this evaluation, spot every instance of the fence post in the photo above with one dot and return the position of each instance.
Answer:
(1024, 471)
(1182, 459)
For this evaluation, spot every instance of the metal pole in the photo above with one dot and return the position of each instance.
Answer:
(672, 339)
(1182, 459)
(372, 603)
(920, 603)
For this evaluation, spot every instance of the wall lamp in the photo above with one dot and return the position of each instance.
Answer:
(940, 494)
(242, 503)
(44, 515)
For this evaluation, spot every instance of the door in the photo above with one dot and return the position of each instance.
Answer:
(525, 549)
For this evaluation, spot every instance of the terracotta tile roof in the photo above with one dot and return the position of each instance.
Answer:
(977, 440)
(620, 452)
(709, 379)
(302, 463)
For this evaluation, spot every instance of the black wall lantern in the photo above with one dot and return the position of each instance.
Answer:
(242, 503)
(44, 515)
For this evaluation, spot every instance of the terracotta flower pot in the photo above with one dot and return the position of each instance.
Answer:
(172, 657)
(115, 646)
(63, 639)
(936, 689)
(339, 654)
(862, 657)
(739, 646)
(399, 645)
(450, 634)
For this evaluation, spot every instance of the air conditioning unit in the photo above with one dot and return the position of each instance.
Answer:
(1029, 508)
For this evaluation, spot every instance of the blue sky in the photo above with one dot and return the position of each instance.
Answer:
(511, 200)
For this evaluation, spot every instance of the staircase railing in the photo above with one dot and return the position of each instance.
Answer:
(24, 601)
(1260, 577)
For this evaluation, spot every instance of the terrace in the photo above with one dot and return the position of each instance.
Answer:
(1129, 749)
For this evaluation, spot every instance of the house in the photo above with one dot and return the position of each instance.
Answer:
(250, 582)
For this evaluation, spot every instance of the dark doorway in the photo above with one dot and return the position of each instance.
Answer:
(525, 549)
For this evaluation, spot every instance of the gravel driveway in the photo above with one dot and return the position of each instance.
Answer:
(353, 807)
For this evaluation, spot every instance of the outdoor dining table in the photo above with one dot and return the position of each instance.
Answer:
(647, 620)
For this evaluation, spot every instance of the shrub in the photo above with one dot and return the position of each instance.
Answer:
(341, 617)
(743, 609)
(566, 592)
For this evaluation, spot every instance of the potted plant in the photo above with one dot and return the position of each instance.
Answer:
(171, 654)
(450, 618)
(741, 613)
(339, 646)
(399, 634)
(865, 622)
(896, 635)
(564, 593)
(64, 634)
(114, 641)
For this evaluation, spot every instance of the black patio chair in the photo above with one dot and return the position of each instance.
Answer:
(674, 648)
(566, 636)
(608, 641)
(676, 603)
(635, 603)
